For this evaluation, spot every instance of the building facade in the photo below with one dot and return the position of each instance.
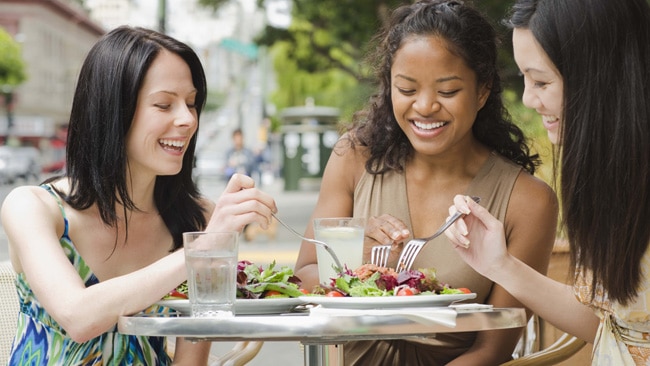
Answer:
(55, 36)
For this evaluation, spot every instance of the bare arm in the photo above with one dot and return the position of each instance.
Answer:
(552, 300)
(335, 199)
(531, 201)
(32, 222)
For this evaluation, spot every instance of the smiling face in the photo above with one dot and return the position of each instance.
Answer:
(165, 117)
(543, 84)
(435, 94)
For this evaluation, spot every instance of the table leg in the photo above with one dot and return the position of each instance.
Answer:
(317, 354)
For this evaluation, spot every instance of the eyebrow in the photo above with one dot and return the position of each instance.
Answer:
(439, 80)
(194, 91)
(529, 69)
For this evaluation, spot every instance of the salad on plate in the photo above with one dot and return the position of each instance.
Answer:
(370, 280)
(256, 282)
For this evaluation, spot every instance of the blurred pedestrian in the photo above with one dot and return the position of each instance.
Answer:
(239, 158)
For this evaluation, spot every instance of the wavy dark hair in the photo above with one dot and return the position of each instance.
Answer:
(102, 113)
(473, 38)
(601, 49)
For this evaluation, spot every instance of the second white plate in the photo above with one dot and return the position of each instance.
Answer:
(387, 302)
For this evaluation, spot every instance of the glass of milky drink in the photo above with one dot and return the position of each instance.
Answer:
(344, 235)
(211, 262)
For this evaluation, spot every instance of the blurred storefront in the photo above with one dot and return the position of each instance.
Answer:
(55, 36)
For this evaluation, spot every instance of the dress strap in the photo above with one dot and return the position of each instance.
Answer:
(49, 188)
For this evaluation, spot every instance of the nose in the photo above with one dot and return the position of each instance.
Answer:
(426, 104)
(530, 98)
(186, 117)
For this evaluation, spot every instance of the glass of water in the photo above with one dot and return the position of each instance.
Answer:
(345, 236)
(211, 262)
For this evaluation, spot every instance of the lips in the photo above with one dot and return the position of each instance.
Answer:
(550, 122)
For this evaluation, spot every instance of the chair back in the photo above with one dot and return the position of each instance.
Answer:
(9, 308)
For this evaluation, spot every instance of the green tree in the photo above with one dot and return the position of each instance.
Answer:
(321, 54)
(12, 67)
(12, 72)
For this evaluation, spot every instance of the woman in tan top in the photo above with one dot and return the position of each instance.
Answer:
(436, 128)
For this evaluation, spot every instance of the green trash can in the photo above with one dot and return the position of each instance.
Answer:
(308, 136)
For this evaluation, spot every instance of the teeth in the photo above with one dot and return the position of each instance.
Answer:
(428, 126)
(173, 143)
(550, 118)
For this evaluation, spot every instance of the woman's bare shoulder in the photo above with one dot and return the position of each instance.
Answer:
(27, 195)
(532, 198)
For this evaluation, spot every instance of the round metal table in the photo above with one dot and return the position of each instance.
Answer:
(316, 332)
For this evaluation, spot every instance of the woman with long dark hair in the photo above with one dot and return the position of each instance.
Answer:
(105, 239)
(586, 68)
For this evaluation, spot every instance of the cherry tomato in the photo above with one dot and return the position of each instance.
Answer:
(175, 294)
(464, 290)
(405, 292)
(272, 293)
(304, 291)
(334, 294)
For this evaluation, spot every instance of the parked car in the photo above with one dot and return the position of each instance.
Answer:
(19, 163)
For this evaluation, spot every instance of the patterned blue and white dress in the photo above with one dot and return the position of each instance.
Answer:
(41, 341)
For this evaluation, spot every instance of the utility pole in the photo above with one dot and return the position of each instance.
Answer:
(162, 16)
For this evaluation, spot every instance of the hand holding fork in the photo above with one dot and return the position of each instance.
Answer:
(379, 253)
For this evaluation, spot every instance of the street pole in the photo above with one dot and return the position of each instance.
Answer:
(162, 16)
(9, 96)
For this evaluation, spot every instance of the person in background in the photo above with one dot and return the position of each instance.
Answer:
(436, 128)
(105, 239)
(586, 71)
(239, 158)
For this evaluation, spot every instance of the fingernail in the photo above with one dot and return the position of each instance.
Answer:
(405, 232)
(394, 235)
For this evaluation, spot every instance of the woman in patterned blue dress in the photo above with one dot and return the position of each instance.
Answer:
(105, 239)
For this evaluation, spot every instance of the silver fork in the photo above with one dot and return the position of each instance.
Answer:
(313, 241)
(379, 255)
(413, 247)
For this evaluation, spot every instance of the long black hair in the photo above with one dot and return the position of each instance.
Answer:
(102, 113)
(472, 37)
(601, 48)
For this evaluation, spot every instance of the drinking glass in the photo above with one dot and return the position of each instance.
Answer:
(345, 236)
(211, 263)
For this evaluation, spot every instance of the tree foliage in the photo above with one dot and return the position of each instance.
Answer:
(12, 66)
(321, 54)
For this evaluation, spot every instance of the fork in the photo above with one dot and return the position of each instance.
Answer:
(313, 241)
(379, 255)
(413, 247)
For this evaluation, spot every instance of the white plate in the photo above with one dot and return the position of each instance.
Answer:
(386, 302)
(243, 306)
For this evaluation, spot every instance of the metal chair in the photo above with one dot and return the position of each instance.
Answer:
(9, 308)
(565, 347)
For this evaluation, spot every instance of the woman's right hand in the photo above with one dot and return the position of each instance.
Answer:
(478, 237)
(385, 229)
(241, 204)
